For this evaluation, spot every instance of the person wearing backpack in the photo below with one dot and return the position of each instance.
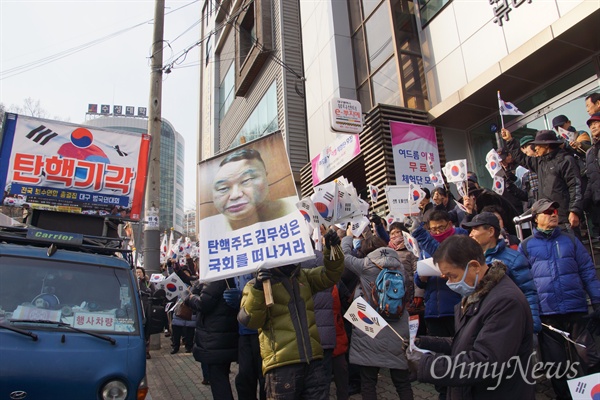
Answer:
(564, 275)
(386, 349)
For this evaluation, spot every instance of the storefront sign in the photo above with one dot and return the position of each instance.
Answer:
(346, 116)
(503, 7)
(334, 157)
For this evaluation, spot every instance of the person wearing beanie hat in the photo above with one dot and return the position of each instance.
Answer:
(595, 117)
(526, 140)
(558, 174)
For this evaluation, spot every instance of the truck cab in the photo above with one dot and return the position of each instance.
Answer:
(70, 316)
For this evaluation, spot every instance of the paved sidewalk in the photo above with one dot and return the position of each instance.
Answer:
(178, 376)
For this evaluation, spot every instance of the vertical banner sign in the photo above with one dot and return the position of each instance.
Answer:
(414, 147)
(248, 214)
(59, 166)
(335, 156)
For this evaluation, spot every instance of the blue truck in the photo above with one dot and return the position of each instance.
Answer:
(70, 317)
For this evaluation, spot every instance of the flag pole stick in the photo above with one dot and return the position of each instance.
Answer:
(393, 330)
(498, 139)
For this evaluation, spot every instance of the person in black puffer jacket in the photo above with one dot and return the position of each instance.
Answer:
(558, 174)
(216, 337)
(591, 198)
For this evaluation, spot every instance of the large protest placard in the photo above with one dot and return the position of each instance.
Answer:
(66, 167)
(415, 147)
(248, 214)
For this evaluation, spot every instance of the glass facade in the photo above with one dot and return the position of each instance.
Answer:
(389, 68)
(429, 9)
(565, 96)
(167, 171)
(226, 95)
(263, 119)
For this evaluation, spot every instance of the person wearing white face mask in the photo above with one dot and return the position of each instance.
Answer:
(493, 311)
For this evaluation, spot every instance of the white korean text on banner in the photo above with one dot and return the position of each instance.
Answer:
(414, 146)
(335, 156)
(66, 167)
(248, 214)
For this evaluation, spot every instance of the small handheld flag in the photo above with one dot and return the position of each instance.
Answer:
(498, 185)
(507, 108)
(411, 244)
(365, 318)
(492, 162)
(374, 192)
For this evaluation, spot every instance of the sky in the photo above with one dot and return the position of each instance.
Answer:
(68, 54)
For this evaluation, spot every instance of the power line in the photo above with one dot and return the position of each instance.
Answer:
(65, 53)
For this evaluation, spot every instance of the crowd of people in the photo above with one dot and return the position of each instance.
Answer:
(498, 302)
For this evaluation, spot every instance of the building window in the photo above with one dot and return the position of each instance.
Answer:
(180, 152)
(263, 119)
(208, 49)
(429, 9)
(253, 44)
(387, 54)
(247, 34)
(226, 92)
(179, 176)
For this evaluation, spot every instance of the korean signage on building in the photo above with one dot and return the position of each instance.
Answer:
(414, 146)
(346, 116)
(73, 168)
(335, 156)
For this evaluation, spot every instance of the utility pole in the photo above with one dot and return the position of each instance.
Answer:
(152, 201)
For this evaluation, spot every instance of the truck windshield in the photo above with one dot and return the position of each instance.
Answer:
(89, 297)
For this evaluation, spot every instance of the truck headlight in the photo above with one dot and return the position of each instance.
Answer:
(114, 390)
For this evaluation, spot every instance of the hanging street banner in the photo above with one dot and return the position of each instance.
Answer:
(66, 167)
(335, 156)
(248, 214)
(415, 153)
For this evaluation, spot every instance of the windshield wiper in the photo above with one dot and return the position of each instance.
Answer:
(21, 331)
(65, 325)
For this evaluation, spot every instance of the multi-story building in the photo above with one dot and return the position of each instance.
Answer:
(189, 225)
(251, 76)
(364, 50)
(543, 56)
(172, 165)
(442, 63)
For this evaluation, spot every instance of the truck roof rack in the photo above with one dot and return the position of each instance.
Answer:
(64, 240)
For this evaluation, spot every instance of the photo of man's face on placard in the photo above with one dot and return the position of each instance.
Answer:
(252, 183)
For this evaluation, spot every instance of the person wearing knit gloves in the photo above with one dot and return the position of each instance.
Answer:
(289, 341)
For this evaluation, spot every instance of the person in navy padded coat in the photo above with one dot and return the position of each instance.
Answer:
(485, 229)
(564, 274)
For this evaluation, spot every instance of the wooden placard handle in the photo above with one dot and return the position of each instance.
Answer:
(268, 292)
